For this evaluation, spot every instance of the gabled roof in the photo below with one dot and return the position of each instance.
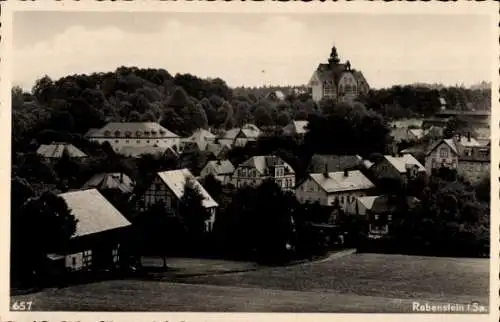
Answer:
(176, 179)
(94, 213)
(217, 148)
(262, 162)
(201, 137)
(56, 150)
(232, 133)
(221, 167)
(325, 72)
(418, 148)
(455, 144)
(367, 201)
(334, 162)
(134, 129)
(110, 181)
(337, 181)
(401, 163)
(418, 133)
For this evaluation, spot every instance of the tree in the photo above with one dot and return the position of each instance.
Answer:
(273, 220)
(284, 118)
(44, 89)
(263, 117)
(179, 99)
(195, 118)
(21, 191)
(191, 210)
(155, 230)
(43, 225)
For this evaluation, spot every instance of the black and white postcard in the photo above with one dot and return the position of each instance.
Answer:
(205, 161)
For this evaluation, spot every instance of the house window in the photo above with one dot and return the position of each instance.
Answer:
(443, 152)
(127, 141)
(168, 202)
(468, 152)
(328, 89)
(87, 258)
(115, 254)
(244, 172)
(116, 141)
(341, 199)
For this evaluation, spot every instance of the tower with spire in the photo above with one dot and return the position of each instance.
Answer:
(334, 57)
(336, 80)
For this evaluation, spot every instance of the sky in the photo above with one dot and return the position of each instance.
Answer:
(254, 49)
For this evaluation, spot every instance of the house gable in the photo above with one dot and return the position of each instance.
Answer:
(315, 80)
(439, 145)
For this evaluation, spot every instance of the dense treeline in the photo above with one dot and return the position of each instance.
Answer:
(184, 102)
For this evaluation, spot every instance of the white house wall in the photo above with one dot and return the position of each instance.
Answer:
(118, 143)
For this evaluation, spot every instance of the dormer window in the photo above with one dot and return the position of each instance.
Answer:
(128, 134)
(146, 133)
(162, 132)
(117, 133)
(153, 132)
(107, 133)
(138, 133)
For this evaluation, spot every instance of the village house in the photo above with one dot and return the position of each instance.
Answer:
(168, 186)
(449, 153)
(401, 167)
(364, 205)
(134, 134)
(474, 164)
(381, 212)
(101, 231)
(222, 170)
(335, 189)
(218, 150)
(201, 138)
(259, 168)
(337, 81)
(55, 151)
(296, 128)
(118, 182)
(240, 136)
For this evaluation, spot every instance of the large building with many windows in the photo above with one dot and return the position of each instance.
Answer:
(337, 81)
(134, 134)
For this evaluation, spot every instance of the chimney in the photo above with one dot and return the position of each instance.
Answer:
(121, 177)
(325, 171)
(346, 173)
(468, 136)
